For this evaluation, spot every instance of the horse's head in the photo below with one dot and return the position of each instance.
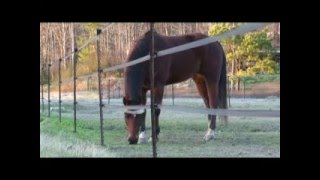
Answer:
(133, 119)
(135, 77)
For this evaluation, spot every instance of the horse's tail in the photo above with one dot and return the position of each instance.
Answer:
(223, 88)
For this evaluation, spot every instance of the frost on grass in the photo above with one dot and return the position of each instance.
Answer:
(181, 135)
(88, 108)
(58, 147)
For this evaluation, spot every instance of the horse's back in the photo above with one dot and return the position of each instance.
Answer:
(184, 64)
(181, 66)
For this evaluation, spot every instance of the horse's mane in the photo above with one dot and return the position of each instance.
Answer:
(141, 45)
(148, 33)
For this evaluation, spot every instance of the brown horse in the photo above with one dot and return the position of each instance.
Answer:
(206, 65)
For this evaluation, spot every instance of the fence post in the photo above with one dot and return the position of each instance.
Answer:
(109, 86)
(49, 66)
(244, 89)
(172, 93)
(119, 89)
(101, 105)
(113, 91)
(60, 89)
(75, 59)
(88, 83)
(153, 120)
(42, 98)
(228, 83)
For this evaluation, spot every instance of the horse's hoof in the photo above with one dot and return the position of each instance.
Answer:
(142, 140)
(209, 136)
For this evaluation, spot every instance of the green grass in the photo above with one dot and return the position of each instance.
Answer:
(242, 137)
(58, 146)
(263, 78)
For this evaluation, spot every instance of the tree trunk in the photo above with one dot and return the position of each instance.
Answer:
(233, 68)
(238, 84)
(238, 79)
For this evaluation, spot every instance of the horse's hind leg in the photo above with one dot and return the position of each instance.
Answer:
(203, 91)
(202, 88)
(212, 88)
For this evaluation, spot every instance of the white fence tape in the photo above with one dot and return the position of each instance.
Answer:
(221, 112)
(188, 109)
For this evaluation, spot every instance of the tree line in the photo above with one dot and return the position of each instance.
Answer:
(59, 39)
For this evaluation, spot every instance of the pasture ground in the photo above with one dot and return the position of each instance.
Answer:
(181, 133)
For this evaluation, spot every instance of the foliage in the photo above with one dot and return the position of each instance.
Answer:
(87, 56)
(262, 78)
(251, 52)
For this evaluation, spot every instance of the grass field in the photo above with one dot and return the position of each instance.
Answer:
(181, 133)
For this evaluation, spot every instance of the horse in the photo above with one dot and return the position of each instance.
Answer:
(206, 65)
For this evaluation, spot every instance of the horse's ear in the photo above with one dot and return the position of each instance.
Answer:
(124, 101)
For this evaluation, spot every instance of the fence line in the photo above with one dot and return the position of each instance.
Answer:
(194, 44)
(91, 39)
(220, 112)
(187, 109)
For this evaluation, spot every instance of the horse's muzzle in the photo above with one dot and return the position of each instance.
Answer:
(133, 140)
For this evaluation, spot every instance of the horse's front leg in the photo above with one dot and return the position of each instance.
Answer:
(158, 95)
(142, 136)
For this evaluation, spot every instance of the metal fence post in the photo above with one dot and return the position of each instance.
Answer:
(49, 66)
(75, 88)
(101, 105)
(88, 86)
(42, 98)
(60, 89)
(228, 89)
(172, 93)
(119, 89)
(113, 92)
(153, 120)
(109, 86)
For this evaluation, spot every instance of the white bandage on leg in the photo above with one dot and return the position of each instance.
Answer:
(209, 135)
(142, 138)
(137, 111)
(142, 135)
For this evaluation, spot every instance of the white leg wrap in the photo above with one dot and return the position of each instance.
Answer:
(209, 135)
(142, 138)
(137, 111)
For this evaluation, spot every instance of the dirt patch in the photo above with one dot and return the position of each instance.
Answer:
(259, 90)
